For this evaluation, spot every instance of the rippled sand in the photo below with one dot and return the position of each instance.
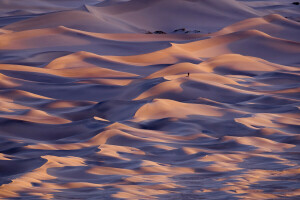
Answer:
(91, 107)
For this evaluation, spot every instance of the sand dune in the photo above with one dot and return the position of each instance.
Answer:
(259, 45)
(130, 16)
(140, 14)
(274, 25)
(92, 107)
(72, 19)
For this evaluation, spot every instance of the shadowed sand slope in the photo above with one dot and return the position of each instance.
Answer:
(144, 15)
(91, 107)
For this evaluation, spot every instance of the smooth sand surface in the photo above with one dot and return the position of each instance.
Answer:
(95, 105)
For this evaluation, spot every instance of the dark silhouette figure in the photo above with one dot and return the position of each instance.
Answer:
(188, 75)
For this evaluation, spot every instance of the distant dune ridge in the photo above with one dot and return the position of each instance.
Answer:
(141, 15)
(149, 99)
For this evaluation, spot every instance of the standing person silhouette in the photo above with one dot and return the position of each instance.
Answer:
(188, 75)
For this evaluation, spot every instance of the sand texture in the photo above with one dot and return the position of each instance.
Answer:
(96, 104)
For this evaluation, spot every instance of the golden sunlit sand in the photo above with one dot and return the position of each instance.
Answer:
(149, 99)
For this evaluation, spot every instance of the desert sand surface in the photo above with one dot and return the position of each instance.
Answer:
(96, 104)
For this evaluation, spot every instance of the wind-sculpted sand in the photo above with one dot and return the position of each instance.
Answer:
(92, 107)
